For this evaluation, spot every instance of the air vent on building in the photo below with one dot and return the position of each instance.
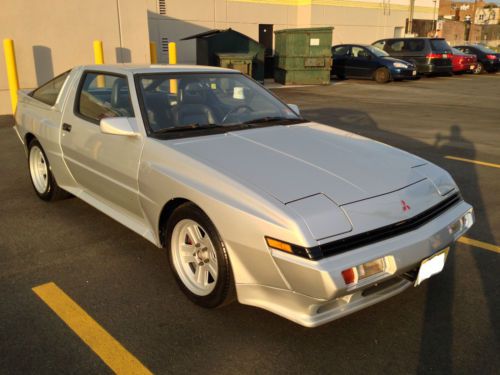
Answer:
(162, 7)
(164, 44)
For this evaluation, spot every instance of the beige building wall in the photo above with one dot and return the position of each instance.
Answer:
(362, 21)
(52, 36)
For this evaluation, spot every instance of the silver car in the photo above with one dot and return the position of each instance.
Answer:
(250, 200)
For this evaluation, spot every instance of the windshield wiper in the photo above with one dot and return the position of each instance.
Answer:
(262, 120)
(194, 126)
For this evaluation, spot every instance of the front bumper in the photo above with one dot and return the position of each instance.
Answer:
(318, 293)
(403, 73)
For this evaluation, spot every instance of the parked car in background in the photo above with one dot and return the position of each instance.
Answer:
(366, 61)
(463, 62)
(248, 199)
(487, 59)
(429, 55)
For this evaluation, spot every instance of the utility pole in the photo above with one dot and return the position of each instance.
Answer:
(434, 22)
(410, 19)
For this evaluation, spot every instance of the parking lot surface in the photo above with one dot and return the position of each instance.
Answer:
(451, 324)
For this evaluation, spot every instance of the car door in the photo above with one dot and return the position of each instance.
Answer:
(340, 55)
(361, 63)
(415, 51)
(105, 166)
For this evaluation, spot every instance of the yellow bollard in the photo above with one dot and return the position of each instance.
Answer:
(152, 52)
(99, 60)
(172, 59)
(10, 63)
(172, 53)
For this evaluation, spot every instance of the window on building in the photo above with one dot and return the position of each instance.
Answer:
(162, 7)
(104, 95)
(49, 92)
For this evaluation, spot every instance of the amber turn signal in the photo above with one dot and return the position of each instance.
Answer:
(279, 245)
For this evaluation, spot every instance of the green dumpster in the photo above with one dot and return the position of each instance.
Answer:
(213, 45)
(237, 61)
(303, 56)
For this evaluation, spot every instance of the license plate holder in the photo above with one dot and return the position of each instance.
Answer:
(431, 266)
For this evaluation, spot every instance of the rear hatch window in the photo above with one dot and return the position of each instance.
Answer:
(440, 45)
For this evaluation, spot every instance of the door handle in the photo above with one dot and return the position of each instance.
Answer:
(66, 127)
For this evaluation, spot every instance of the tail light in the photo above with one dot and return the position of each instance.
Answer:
(491, 57)
(434, 56)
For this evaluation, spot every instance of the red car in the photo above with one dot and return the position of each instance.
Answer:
(463, 62)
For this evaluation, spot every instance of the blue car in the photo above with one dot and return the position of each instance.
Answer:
(366, 61)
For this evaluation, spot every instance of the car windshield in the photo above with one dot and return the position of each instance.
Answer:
(484, 49)
(377, 51)
(208, 102)
(456, 51)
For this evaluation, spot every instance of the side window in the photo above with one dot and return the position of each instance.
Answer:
(104, 95)
(380, 44)
(414, 45)
(359, 52)
(49, 92)
(396, 46)
(340, 51)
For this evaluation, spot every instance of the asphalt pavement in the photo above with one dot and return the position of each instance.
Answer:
(451, 324)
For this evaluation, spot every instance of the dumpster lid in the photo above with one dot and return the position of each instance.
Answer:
(210, 33)
(301, 30)
(241, 56)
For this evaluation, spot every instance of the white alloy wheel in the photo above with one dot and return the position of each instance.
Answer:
(194, 257)
(38, 169)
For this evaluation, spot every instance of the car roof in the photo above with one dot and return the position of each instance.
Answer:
(352, 44)
(411, 37)
(156, 68)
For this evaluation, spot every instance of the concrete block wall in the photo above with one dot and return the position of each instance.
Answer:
(362, 21)
(52, 36)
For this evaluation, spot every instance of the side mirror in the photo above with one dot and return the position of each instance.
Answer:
(295, 108)
(117, 126)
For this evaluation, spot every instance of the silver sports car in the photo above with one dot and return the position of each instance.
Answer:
(250, 200)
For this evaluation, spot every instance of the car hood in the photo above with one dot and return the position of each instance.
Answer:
(297, 161)
(391, 60)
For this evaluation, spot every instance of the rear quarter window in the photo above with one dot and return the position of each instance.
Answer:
(380, 44)
(340, 51)
(49, 92)
(440, 45)
(395, 46)
(414, 45)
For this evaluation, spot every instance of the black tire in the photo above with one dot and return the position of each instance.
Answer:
(224, 291)
(52, 191)
(340, 76)
(382, 75)
(479, 69)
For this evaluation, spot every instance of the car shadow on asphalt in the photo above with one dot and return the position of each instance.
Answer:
(438, 342)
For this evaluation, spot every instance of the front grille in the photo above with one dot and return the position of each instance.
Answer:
(380, 234)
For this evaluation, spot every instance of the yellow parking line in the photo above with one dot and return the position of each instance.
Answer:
(473, 161)
(480, 244)
(96, 337)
